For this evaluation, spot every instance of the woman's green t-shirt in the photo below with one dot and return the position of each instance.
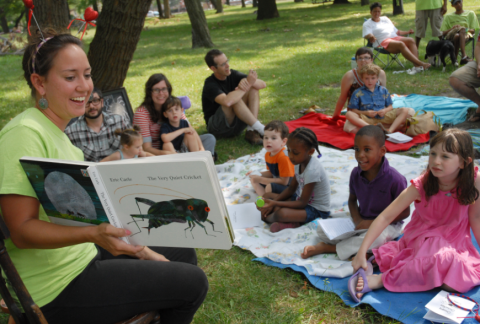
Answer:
(45, 272)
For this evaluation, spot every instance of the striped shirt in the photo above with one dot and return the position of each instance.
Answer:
(96, 146)
(149, 130)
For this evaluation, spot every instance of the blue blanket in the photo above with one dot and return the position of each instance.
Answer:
(450, 110)
(408, 308)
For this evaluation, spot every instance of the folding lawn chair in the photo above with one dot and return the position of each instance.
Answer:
(391, 58)
(469, 41)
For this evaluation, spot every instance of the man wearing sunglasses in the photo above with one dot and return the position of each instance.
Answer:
(231, 101)
(94, 132)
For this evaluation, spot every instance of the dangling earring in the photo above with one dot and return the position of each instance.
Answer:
(43, 103)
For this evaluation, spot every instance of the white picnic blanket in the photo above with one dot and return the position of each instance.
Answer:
(285, 246)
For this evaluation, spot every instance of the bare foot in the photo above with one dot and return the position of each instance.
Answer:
(475, 117)
(311, 250)
(252, 77)
(426, 66)
(373, 281)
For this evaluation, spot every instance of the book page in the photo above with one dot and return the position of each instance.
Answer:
(441, 306)
(244, 215)
(335, 227)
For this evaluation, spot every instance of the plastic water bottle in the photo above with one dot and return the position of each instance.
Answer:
(353, 62)
(260, 202)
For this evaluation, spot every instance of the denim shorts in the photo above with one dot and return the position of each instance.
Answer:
(312, 212)
(276, 188)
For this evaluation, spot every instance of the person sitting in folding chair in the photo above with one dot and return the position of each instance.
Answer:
(459, 27)
(380, 31)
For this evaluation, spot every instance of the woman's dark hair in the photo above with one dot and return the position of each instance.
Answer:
(307, 136)
(169, 103)
(364, 50)
(127, 136)
(44, 56)
(375, 5)
(155, 116)
(458, 142)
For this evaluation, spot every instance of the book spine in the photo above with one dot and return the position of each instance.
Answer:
(105, 199)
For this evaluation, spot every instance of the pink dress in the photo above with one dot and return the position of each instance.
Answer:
(436, 248)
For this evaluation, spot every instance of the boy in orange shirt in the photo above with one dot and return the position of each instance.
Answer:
(280, 169)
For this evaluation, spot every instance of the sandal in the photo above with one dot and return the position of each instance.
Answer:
(476, 115)
(352, 282)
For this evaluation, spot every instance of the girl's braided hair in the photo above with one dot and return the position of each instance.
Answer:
(307, 136)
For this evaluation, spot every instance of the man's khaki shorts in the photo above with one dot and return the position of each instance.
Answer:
(468, 74)
(421, 20)
(451, 34)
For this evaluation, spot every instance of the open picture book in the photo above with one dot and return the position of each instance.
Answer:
(171, 200)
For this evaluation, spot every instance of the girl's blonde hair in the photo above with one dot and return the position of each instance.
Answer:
(458, 142)
(128, 135)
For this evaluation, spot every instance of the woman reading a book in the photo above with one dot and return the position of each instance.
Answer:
(80, 274)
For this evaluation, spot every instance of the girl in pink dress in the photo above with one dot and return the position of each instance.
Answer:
(436, 249)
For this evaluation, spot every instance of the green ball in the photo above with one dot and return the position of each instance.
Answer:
(260, 202)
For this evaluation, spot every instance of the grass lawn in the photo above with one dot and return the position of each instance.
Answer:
(302, 56)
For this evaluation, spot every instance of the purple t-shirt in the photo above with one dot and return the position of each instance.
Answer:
(374, 196)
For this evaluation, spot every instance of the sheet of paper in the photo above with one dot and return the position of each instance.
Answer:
(398, 137)
(334, 227)
(441, 306)
(244, 215)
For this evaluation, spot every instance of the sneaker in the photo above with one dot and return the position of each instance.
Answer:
(415, 70)
(465, 60)
(253, 137)
(277, 226)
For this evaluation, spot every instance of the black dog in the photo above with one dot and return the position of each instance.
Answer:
(440, 48)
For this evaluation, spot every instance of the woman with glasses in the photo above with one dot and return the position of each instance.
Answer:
(351, 80)
(157, 90)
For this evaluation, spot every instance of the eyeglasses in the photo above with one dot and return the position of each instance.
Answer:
(157, 90)
(364, 59)
(223, 64)
(94, 100)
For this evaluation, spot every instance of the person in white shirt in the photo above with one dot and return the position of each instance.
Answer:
(380, 31)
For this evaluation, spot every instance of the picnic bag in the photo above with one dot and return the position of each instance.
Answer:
(423, 123)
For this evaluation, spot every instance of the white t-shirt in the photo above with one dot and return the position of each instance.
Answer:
(381, 30)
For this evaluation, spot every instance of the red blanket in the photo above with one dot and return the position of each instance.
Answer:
(331, 132)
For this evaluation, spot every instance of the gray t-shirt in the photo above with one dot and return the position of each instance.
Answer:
(314, 172)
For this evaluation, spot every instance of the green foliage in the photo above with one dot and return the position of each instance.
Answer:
(12, 9)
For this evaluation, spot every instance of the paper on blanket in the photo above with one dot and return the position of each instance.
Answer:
(441, 311)
(244, 215)
(338, 228)
(398, 137)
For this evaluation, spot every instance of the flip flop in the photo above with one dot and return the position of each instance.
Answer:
(352, 282)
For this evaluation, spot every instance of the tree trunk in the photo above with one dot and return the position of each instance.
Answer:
(255, 3)
(227, 2)
(17, 21)
(365, 2)
(243, 4)
(302, 0)
(220, 6)
(53, 14)
(200, 32)
(341, 2)
(214, 4)
(166, 7)
(118, 31)
(3, 21)
(398, 7)
(267, 9)
(95, 6)
(160, 11)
